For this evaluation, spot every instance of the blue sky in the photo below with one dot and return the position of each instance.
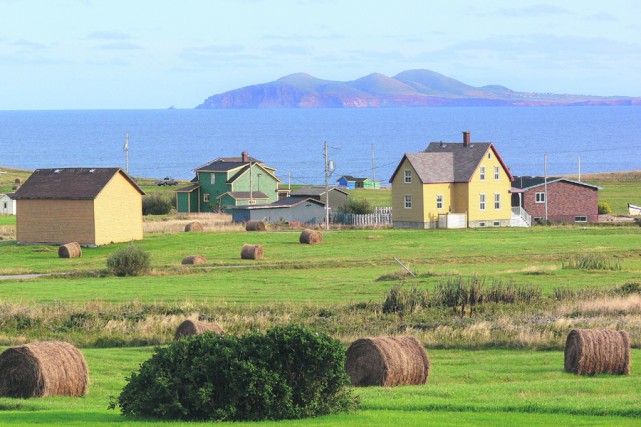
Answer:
(90, 54)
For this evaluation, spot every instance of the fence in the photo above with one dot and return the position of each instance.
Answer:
(381, 217)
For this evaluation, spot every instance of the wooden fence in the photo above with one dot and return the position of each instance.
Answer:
(381, 217)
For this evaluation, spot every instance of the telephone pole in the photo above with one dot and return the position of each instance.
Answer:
(326, 188)
(545, 184)
(126, 148)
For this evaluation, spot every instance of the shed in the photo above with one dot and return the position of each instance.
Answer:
(352, 183)
(7, 204)
(305, 210)
(337, 197)
(91, 206)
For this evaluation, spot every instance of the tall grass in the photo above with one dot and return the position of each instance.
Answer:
(592, 262)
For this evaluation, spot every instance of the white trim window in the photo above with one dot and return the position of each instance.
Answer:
(497, 201)
(212, 178)
(489, 154)
(497, 175)
(407, 176)
(407, 201)
(206, 197)
(539, 197)
(580, 219)
(482, 173)
(482, 202)
(439, 201)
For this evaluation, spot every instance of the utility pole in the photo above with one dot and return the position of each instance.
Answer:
(373, 165)
(289, 181)
(579, 169)
(545, 184)
(326, 188)
(251, 184)
(126, 148)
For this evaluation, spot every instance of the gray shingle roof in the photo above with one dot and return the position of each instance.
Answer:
(245, 195)
(69, 183)
(188, 189)
(224, 164)
(314, 191)
(433, 167)
(527, 182)
(466, 158)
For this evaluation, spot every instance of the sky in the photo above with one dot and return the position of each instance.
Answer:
(143, 54)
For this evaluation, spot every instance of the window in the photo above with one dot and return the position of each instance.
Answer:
(580, 219)
(408, 176)
(5, 205)
(482, 202)
(212, 178)
(481, 224)
(489, 154)
(497, 200)
(206, 197)
(408, 202)
(539, 197)
(496, 173)
(439, 201)
(482, 173)
(497, 223)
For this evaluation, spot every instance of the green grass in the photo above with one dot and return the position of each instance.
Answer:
(379, 197)
(493, 387)
(7, 220)
(619, 194)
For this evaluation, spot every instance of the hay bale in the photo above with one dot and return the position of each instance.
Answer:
(194, 327)
(47, 368)
(70, 250)
(387, 361)
(252, 252)
(18, 181)
(597, 351)
(311, 237)
(194, 226)
(194, 259)
(15, 187)
(255, 226)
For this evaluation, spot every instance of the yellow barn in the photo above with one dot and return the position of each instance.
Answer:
(452, 185)
(93, 207)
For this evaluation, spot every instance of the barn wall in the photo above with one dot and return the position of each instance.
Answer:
(118, 212)
(55, 221)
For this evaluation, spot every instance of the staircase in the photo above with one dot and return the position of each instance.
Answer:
(520, 218)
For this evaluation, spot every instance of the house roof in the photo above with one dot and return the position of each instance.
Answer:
(352, 179)
(315, 191)
(288, 202)
(527, 182)
(9, 195)
(188, 189)
(244, 195)
(449, 161)
(246, 168)
(224, 164)
(69, 183)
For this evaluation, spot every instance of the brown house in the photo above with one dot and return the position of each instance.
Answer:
(89, 206)
(567, 200)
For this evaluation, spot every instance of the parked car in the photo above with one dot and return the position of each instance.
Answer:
(166, 181)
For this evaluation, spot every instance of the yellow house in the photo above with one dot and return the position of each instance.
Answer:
(89, 206)
(452, 185)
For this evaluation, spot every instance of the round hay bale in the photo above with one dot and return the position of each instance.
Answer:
(194, 226)
(18, 181)
(255, 226)
(252, 252)
(387, 361)
(311, 237)
(47, 368)
(194, 259)
(597, 351)
(194, 327)
(70, 250)
(15, 187)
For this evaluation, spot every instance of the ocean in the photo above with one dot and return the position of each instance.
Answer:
(174, 142)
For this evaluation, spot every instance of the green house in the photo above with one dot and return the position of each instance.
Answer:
(229, 181)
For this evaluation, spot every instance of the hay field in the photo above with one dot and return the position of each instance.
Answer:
(498, 388)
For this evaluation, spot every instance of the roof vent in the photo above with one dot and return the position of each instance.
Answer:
(92, 170)
(56, 171)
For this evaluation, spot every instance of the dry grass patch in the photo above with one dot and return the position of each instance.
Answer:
(605, 306)
(176, 224)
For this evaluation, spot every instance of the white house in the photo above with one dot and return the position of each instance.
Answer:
(7, 204)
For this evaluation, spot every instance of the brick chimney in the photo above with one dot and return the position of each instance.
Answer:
(466, 139)
(245, 157)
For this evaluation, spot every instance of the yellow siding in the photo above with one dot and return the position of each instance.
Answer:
(460, 202)
(55, 221)
(430, 192)
(118, 212)
(400, 189)
(489, 187)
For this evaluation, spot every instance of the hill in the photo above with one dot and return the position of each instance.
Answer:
(412, 88)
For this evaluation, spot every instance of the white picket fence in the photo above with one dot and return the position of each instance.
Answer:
(381, 217)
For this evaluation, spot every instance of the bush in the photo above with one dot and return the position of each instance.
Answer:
(357, 207)
(157, 204)
(290, 372)
(592, 262)
(131, 261)
(604, 208)
(399, 300)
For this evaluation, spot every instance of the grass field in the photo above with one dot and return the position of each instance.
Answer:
(492, 387)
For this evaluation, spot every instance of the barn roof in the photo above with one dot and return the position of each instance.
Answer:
(69, 183)
(288, 202)
(527, 182)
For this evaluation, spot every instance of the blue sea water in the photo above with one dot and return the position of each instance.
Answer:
(174, 142)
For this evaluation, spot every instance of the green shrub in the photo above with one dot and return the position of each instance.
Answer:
(604, 208)
(357, 207)
(399, 300)
(592, 262)
(131, 261)
(290, 372)
(157, 204)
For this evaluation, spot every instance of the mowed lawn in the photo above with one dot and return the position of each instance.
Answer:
(345, 268)
(490, 387)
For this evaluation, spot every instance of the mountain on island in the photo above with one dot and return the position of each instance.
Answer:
(413, 88)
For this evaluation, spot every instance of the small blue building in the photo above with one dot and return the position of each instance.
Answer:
(305, 210)
(352, 183)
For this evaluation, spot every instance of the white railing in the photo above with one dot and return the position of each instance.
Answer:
(523, 215)
(365, 220)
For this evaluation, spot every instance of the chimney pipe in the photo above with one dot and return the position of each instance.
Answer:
(245, 156)
(466, 139)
